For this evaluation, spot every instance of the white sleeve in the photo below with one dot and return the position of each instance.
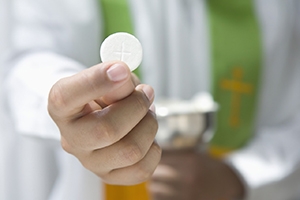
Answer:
(270, 164)
(49, 40)
(27, 88)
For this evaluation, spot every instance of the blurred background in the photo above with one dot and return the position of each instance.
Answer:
(4, 26)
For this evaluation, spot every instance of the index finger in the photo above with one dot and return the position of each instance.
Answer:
(69, 95)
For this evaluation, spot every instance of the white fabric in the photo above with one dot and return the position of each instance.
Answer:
(4, 28)
(53, 39)
(45, 39)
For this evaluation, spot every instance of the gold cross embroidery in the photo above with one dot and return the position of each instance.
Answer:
(237, 87)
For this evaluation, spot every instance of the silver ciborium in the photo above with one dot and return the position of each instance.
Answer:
(185, 124)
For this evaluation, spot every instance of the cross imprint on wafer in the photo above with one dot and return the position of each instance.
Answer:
(122, 52)
(124, 47)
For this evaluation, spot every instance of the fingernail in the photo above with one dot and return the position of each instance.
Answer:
(153, 108)
(149, 92)
(117, 72)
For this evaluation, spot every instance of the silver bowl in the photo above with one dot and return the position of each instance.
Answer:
(186, 124)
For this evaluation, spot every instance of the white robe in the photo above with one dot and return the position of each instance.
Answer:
(57, 38)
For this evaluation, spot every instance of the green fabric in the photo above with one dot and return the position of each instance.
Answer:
(236, 55)
(117, 18)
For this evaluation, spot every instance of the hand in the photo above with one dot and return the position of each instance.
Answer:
(188, 175)
(104, 120)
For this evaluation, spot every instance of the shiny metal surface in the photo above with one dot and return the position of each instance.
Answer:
(185, 124)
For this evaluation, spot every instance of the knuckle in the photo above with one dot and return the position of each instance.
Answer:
(104, 176)
(90, 163)
(105, 132)
(56, 98)
(143, 173)
(65, 146)
(144, 170)
(157, 150)
(153, 123)
(132, 154)
(141, 103)
(87, 164)
(109, 178)
(142, 176)
(90, 80)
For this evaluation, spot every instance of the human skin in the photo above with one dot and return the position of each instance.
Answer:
(190, 175)
(105, 121)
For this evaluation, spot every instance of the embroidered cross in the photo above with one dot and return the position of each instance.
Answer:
(238, 88)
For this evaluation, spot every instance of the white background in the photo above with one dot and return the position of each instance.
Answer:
(4, 24)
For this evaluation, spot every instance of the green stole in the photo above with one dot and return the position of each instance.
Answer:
(236, 65)
(236, 61)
